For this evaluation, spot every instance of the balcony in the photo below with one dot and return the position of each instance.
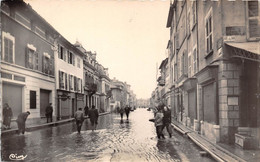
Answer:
(161, 81)
(91, 88)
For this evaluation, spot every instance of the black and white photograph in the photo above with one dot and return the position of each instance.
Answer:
(130, 80)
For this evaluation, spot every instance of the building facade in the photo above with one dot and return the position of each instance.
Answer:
(214, 57)
(39, 66)
(27, 61)
(121, 95)
(69, 78)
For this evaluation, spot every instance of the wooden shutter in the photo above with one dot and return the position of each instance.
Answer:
(66, 81)
(36, 63)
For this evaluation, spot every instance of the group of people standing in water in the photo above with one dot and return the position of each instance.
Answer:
(162, 119)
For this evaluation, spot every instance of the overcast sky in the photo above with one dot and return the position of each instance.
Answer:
(129, 36)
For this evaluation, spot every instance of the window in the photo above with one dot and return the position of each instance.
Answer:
(32, 58)
(78, 62)
(79, 85)
(193, 14)
(209, 32)
(5, 8)
(188, 24)
(71, 82)
(75, 84)
(71, 58)
(22, 20)
(61, 52)
(47, 64)
(61, 80)
(66, 81)
(40, 31)
(254, 19)
(32, 99)
(8, 48)
(194, 61)
(189, 65)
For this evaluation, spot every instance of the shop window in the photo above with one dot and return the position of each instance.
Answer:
(32, 99)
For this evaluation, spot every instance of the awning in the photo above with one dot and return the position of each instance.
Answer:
(246, 50)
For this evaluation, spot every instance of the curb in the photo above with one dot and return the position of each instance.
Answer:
(35, 127)
(211, 150)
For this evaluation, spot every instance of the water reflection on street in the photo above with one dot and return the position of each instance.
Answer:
(114, 140)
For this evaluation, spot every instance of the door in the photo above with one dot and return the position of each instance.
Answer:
(12, 95)
(209, 108)
(44, 101)
(249, 98)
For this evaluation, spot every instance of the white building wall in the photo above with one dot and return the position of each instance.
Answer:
(33, 81)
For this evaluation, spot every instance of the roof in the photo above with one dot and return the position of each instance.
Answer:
(165, 61)
(170, 16)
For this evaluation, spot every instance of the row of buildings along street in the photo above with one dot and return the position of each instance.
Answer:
(39, 66)
(211, 76)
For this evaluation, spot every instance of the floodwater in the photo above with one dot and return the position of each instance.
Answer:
(114, 140)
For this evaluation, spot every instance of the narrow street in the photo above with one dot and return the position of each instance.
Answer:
(112, 141)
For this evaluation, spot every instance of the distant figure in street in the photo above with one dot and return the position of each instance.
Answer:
(158, 121)
(167, 120)
(86, 109)
(21, 119)
(117, 109)
(48, 113)
(7, 116)
(93, 116)
(127, 111)
(121, 111)
(79, 118)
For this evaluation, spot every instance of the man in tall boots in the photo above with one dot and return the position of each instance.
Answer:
(79, 117)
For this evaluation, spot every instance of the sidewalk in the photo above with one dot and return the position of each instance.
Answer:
(220, 152)
(31, 127)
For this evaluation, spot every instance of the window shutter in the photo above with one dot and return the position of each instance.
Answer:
(36, 66)
(73, 59)
(254, 30)
(11, 51)
(66, 81)
(177, 40)
(43, 65)
(81, 90)
(75, 84)
(60, 79)
(59, 55)
(26, 57)
(51, 67)
(69, 84)
(65, 55)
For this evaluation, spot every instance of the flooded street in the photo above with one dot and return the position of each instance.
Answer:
(112, 141)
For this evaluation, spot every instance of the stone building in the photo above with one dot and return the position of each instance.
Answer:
(214, 57)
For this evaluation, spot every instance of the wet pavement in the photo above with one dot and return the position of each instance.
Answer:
(113, 140)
